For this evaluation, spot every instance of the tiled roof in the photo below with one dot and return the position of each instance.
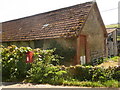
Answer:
(64, 22)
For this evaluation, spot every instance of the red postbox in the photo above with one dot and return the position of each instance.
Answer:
(29, 57)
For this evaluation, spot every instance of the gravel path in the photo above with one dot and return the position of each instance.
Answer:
(29, 85)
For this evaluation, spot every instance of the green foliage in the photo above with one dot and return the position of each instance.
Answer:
(13, 62)
(83, 83)
(47, 74)
(96, 61)
(102, 60)
(46, 57)
(14, 66)
(43, 68)
(102, 74)
(112, 26)
(80, 72)
(46, 69)
(116, 74)
(67, 53)
(115, 59)
(111, 83)
(90, 73)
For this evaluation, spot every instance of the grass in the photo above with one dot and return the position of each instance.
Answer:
(109, 83)
(82, 83)
(112, 26)
(115, 59)
(110, 62)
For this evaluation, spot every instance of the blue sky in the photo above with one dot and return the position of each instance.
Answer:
(13, 9)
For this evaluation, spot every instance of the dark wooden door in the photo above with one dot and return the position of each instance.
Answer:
(82, 49)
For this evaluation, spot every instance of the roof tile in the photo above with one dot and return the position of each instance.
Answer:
(54, 24)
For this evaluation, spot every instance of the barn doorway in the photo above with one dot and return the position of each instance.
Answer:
(82, 50)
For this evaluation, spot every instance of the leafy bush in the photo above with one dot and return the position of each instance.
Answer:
(102, 74)
(116, 74)
(14, 66)
(90, 73)
(80, 72)
(102, 60)
(45, 69)
(115, 59)
(47, 74)
(111, 83)
(83, 83)
(46, 57)
(13, 62)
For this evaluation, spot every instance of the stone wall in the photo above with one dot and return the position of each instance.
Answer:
(20, 43)
(65, 47)
(95, 35)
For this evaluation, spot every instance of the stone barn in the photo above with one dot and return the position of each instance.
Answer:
(77, 32)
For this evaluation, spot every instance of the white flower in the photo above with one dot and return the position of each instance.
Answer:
(40, 59)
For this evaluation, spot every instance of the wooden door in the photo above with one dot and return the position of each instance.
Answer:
(81, 49)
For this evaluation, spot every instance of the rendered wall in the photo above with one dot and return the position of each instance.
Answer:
(65, 47)
(20, 43)
(95, 35)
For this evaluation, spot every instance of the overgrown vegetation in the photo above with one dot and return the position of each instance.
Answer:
(13, 63)
(46, 69)
(99, 61)
(112, 26)
(67, 53)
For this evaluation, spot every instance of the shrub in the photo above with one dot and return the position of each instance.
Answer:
(115, 59)
(45, 72)
(102, 74)
(80, 72)
(14, 66)
(116, 74)
(83, 83)
(13, 63)
(90, 73)
(46, 69)
(111, 83)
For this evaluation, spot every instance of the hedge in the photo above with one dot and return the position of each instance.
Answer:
(14, 66)
(46, 69)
